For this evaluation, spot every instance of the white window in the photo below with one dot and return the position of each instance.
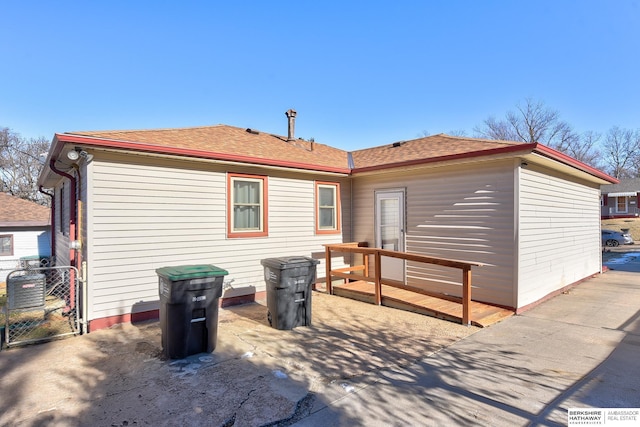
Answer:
(327, 207)
(246, 206)
(621, 205)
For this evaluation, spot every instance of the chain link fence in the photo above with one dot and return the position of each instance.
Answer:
(40, 303)
(6, 267)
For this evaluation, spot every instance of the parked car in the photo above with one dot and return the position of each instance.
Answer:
(616, 238)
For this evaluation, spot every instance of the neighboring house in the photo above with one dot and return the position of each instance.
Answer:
(620, 200)
(25, 231)
(140, 200)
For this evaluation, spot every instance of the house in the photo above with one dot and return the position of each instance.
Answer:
(134, 201)
(25, 232)
(620, 200)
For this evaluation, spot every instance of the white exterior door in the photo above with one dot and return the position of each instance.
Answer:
(390, 231)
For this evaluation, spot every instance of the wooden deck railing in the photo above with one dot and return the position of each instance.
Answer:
(362, 248)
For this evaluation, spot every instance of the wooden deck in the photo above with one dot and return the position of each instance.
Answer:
(444, 307)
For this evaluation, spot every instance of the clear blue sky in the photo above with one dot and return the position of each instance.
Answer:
(359, 74)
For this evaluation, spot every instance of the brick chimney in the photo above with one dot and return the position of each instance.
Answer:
(291, 115)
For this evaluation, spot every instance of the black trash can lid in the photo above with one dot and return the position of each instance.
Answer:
(186, 272)
(289, 262)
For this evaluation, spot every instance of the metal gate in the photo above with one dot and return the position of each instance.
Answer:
(42, 304)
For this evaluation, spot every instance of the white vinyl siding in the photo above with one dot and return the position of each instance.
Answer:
(31, 241)
(27, 241)
(458, 212)
(559, 233)
(160, 213)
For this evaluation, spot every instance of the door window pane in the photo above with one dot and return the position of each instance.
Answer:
(389, 224)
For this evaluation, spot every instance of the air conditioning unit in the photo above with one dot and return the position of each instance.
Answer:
(26, 291)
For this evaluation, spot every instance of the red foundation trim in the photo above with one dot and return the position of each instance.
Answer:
(143, 316)
(107, 322)
(242, 299)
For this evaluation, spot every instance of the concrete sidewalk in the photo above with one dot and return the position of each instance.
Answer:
(580, 349)
(357, 364)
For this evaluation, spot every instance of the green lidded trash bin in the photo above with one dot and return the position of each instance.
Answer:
(289, 281)
(35, 261)
(189, 297)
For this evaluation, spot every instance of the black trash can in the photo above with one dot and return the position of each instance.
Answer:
(189, 297)
(289, 281)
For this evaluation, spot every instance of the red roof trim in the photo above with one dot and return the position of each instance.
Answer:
(526, 147)
(568, 160)
(28, 223)
(467, 155)
(151, 148)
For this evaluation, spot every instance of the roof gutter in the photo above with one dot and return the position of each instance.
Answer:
(52, 213)
(25, 224)
(72, 207)
(527, 148)
(550, 153)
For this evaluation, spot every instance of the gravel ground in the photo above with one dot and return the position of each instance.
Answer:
(257, 375)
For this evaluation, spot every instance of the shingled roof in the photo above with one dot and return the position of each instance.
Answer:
(229, 142)
(423, 149)
(234, 144)
(17, 212)
(629, 185)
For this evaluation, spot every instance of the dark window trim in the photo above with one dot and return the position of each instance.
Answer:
(11, 248)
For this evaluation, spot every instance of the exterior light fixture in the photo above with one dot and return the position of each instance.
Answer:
(77, 153)
(73, 155)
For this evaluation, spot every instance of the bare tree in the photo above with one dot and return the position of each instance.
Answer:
(453, 132)
(535, 122)
(532, 122)
(496, 129)
(457, 132)
(20, 165)
(585, 148)
(621, 152)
